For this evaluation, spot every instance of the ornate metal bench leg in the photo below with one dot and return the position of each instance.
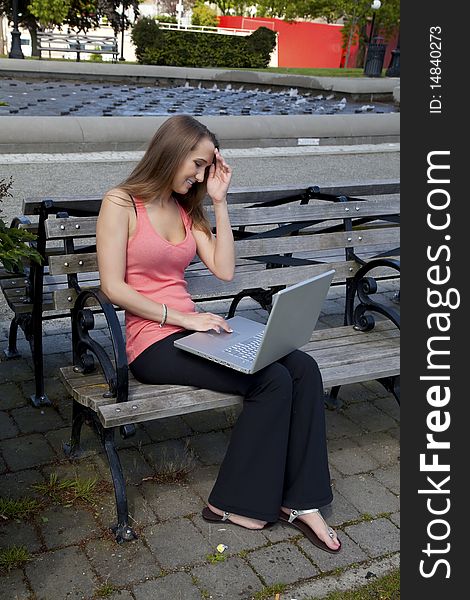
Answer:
(12, 350)
(122, 530)
(73, 449)
(331, 400)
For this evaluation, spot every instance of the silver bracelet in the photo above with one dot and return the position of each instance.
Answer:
(165, 314)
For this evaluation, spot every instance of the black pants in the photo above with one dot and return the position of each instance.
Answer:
(277, 453)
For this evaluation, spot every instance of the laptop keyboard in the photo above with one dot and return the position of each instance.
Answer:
(246, 349)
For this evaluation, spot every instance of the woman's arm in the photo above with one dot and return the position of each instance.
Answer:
(112, 232)
(218, 253)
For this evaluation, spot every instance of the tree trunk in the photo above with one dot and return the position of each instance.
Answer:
(33, 32)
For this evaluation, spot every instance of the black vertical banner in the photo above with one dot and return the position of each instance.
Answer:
(435, 331)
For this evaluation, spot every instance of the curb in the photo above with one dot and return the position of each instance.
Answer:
(91, 134)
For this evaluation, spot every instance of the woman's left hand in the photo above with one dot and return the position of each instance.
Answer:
(218, 180)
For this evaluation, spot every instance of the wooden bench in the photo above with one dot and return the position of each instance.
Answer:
(38, 295)
(78, 43)
(278, 243)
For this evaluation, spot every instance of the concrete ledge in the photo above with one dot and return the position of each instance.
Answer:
(88, 134)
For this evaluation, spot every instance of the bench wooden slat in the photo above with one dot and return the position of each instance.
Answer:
(344, 356)
(83, 263)
(243, 195)
(86, 226)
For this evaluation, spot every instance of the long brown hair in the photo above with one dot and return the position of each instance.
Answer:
(154, 174)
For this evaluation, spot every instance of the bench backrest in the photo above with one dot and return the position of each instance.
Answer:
(309, 238)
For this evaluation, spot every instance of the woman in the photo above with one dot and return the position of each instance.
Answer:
(149, 229)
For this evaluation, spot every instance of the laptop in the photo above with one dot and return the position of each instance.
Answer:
(252, 345)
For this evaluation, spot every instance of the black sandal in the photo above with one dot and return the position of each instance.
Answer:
(306, 530)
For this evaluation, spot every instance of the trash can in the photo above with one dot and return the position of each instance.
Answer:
(375, 58)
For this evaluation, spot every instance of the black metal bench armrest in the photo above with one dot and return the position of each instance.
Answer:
(117, 376)
(364, 286)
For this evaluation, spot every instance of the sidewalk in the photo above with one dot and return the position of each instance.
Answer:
(72, 554)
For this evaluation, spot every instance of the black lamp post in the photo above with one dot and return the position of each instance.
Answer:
(123, 27)
(15, 51)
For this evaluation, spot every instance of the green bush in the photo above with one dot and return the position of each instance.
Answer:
(155, 46)
(204, 15)
(15, 248)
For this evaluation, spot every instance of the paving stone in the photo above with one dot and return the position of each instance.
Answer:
(367, 494)
(67, 525)
(171, 500)
(350, 553)
(349, 458)
(122, 564)
(390, 477)
(385, 448)
(160, 430)
(177, 586)
(15, 533)
(234, 537)
(18, 485)
(202, 480)
(210, 448)
(395, 518)
(17, 370)
(321, 587)
(177, 543)
(66, 570)
(338, 425)
(120, 595)
(134, 466)
(354, 393)
(376, 537)
(8, 429)
(30, 419)
(11, 395)
(74, 469)
(3, 465)
(26, 451)
(340, 511)
(231, 579)
(140, 510)
(389, 406)
(211, 420)
(89, 442)
(280, 532)
(13, 586)
(370, 417)
(281, 563)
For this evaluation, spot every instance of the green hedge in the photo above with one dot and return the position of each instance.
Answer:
(155, 46)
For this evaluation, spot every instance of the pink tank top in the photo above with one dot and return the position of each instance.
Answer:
(155, 268)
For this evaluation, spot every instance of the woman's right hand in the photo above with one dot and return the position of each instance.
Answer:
(205, 321)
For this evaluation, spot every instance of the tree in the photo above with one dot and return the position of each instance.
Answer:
(204, 15)
(50, 12)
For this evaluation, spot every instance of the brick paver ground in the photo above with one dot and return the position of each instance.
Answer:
(72, 554)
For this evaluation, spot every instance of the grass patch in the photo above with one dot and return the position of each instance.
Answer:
(174, 469)
(21, 508)
(216, 558)
(68, 492)
(105, 591)
(13, 557)
(382, 588)
(310, 72)
(272, 591)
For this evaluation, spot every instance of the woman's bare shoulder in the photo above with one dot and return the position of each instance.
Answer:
(118, 197)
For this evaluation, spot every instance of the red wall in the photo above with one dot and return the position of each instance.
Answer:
(304, 44)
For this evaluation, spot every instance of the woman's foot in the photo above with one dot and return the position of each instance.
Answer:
(246, 522)
(317, 524)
